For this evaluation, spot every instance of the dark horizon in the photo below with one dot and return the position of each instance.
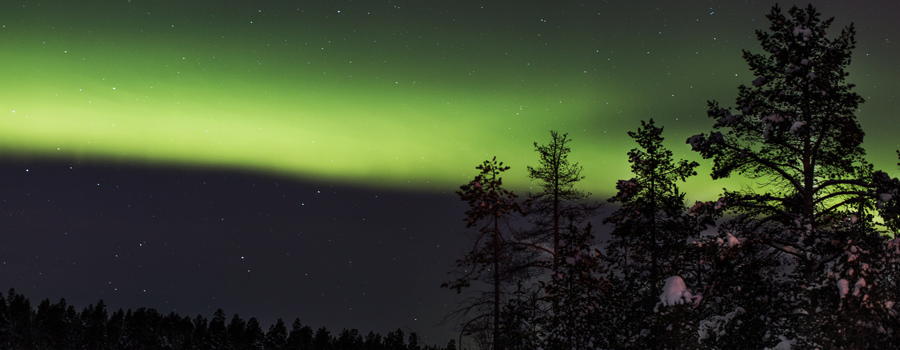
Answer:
(188, 237)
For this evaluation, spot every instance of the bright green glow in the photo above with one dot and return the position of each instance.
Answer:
(400, 105)
(376, 134)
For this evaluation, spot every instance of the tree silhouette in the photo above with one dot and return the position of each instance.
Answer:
(558, 199)
(648, 246)
(322, 340)
(490, 206)
(576, 289)
(301, 337)
(218, 333)
(276, 338)
(813, 209)
(236, 332)
(254, 338)
(394, 340)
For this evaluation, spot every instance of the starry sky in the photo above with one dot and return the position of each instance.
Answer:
(298, 158)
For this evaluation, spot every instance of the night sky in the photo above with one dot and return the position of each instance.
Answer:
(283, 159)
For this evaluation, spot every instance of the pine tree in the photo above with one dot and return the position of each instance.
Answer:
(373, 341)
(413, 343)
(451, 344)
(648, 246)
(323, 340)
(558, 199)
(218, 333)
(115, 329)
(828, 274)
(6, 330)
(575, 290)
(276, 338)
(236, 329)
(56, 325)
(301, 336)
(254, 337)
(490, 208)
(349, 339)
(20, 319)
(521, 327)
(94, 320)
(200, 337)
(394, 340)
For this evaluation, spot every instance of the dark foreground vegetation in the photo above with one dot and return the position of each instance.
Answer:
(805, 256)
(61, 327)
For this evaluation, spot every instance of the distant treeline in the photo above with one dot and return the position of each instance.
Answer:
(59, 326)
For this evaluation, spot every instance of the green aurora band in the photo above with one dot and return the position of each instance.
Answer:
(372, 94)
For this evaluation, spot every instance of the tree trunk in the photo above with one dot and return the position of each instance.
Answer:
(556, 162)
(496, 285)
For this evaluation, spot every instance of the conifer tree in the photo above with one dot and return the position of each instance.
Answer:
(490, 208)
(254, 338)
(200, 336)
(115, 329)
(373, 341)
(648, 246)
(323, 340)
(575, 289)
(218, 334)
(413, 343)
(828, 266)
(236, 329)
(183, 334)
(521, 325)
(94, 319)
(6, 331)
(451, 344)
(395, 340)
(20, 319)
(301, 336)
(276, 337)
(558, 199)
(349, 339)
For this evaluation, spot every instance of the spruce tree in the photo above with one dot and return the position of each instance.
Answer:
(648, 247)
(451, 344)
(236, 329)
(20, 319)
(218, 334)
(373, 341)
(413, 343)
(394, 340)
(200, 336)
(575, 291)
(254, 338)
(276, 337)
(522, 327)
(323, 340)
(811, 244)
(115, 329)
(94, 319)
(301, 337)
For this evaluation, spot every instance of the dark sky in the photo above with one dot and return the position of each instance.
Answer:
(286, 159)
(191, 241)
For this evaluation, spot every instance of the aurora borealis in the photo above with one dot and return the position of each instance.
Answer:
(398, 96)
(379, 92)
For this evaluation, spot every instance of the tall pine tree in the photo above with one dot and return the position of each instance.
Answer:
(648, 247)
(810, 243)
(489, 259)
(558, 199)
